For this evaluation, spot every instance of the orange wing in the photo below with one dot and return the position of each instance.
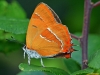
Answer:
(45, 35)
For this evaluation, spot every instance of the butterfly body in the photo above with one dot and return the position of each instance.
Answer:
(46, 35)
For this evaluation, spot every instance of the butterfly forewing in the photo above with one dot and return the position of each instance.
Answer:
(39, 22)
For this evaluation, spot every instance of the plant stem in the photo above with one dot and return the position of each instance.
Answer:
(84, 38)
(88, 5)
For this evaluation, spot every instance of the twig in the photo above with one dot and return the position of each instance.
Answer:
(84, 38)
(75, 37)
(96, 4)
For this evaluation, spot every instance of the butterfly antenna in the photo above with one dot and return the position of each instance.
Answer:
(76, 50)
(75, 45)
(42, 62)
(14, 40)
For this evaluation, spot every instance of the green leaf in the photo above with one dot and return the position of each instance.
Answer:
(85, 71)
(72, 65)
(95, 61)
(93, 44)
(3, 6)
(93, 74)
(98, 71)
(16, 26)
(14, 10)
(31, 73)
(11, 45)
(34, 73)
(56, 71)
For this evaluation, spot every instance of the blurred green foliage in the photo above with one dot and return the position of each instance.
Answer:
(14, 22)
(12, 10)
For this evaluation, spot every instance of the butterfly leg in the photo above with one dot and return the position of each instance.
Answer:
(42, 62)
(24, 55)
(29, 60)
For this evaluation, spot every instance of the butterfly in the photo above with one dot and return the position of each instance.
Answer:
(46, 36)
